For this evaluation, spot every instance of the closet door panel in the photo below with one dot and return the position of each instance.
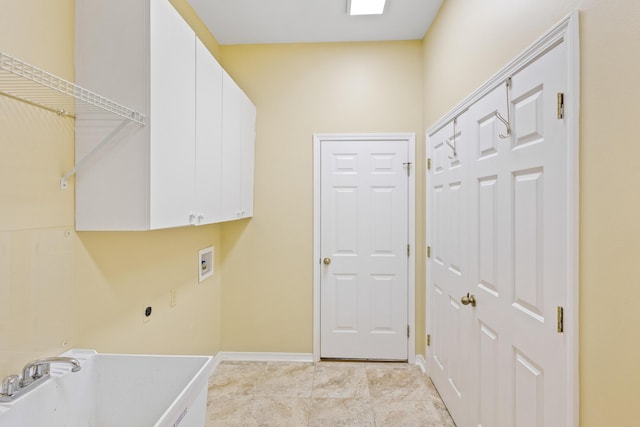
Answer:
(517, 240)
(452, 367)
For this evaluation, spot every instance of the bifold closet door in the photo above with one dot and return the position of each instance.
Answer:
(498, 221)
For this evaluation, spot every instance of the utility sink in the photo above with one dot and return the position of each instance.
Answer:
(116, 390)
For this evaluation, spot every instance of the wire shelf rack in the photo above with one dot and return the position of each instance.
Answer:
(35, 86)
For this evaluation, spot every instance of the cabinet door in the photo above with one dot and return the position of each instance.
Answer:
(112, 190)
(232, 106)
(238, 136)
(172, 117)
(208, 196)
(248, 155)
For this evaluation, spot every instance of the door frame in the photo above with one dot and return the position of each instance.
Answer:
(409, 138)
(567, 31)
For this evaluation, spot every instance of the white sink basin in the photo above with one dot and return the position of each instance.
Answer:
(116, 390)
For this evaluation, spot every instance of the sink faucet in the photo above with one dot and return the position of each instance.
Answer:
(33, 373)
(39, 368)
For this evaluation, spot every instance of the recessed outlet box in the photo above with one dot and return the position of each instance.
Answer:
(147, 314)
(205, 263)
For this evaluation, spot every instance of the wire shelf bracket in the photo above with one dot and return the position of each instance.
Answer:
(34, 86)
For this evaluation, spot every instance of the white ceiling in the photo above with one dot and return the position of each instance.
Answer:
(304, 21)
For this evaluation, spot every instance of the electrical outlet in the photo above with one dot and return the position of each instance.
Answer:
(147, 314)
(205, 263)
(172, 298)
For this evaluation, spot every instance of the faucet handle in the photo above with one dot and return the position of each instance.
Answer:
(41, 370)
(34, 371)
(10, 385)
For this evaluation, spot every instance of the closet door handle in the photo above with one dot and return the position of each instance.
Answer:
(326, 261)
(468, 299)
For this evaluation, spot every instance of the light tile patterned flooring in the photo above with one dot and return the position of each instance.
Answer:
(323, 394)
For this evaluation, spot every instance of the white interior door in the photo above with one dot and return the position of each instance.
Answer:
(448, 271)
(518, 225)
(502, 361)
(364, 249)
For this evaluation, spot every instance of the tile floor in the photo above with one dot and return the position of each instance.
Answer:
(323, 394)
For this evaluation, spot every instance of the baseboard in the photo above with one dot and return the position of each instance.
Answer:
(261, 357)
(283, 357)
(422, 363)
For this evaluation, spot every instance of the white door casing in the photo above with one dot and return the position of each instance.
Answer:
(364, 293)
(522, 246)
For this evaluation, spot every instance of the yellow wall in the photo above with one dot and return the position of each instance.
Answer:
(119, 274)
(300, 90)
(61, 289)
(36, 146)
(203, 33)
(473, 39)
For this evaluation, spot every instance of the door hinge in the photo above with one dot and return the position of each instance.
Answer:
(408, 166)
(560, 105)
(428, 251)
(408, 332)
(408, 249)
(429, 164)
(560, 319)
(428, 340)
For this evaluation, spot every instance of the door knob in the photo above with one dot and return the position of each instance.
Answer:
(327, 261)
(468, 299)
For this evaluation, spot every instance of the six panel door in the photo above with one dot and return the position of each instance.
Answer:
(364, 235)
(502, 363)
(451, 322)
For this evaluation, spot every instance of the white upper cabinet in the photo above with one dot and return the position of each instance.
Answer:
(172, 115)
(208, 155)
(171, 172)
(248, 155)
(238, 136)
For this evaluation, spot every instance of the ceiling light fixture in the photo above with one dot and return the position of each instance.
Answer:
(366, 7)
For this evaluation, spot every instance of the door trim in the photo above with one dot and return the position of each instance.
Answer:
(411, 295)
(567, 31)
